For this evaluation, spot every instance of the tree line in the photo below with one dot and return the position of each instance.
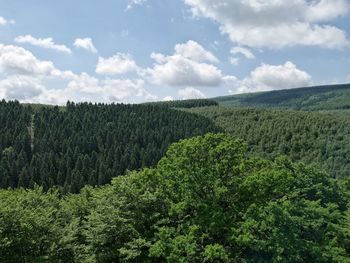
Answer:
(192, 103)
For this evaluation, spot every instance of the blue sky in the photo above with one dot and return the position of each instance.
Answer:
(140, 50)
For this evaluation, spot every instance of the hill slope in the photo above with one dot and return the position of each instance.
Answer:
(320, 98)
(87, 143)
(311, 137)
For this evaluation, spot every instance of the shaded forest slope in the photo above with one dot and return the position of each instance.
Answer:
(311, 137)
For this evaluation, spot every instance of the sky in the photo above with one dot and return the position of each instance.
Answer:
(134, 51)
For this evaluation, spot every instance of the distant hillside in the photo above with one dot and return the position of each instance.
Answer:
(310, 137)
(320, 98)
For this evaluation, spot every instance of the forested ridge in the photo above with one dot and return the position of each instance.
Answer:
(310, 137)
(320, 98)
(206, 201)
(87, 143)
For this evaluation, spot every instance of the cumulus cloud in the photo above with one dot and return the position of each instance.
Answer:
(20, 88)
(124, 89)
(274, 77)
(29, 79)
(4, 21)
(180, 71)
(192, 50)
(188, 66)
(47, 43)
(17, 60)
(191, 93)
(276, 23)
(118, 64)
(326, 10)
(85, 43)
(86, 88)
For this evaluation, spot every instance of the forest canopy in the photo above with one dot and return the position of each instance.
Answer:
(206, 201)
(86, 143)
(311, 137)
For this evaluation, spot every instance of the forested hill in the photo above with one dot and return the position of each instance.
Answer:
(310, 137)
(87, 143)
(320, 98)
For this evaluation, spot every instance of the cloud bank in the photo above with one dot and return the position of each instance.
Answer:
(276, 23)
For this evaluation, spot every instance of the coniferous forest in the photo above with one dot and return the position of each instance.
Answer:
(149, 183)
(311, 137)
(87, 143)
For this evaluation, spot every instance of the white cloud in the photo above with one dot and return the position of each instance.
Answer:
(276, 23)
(29, 79)
(86, 88)
(124, 89)
(4, 21)
(243, 51)
(47, 43)
(191, 93)
(186, 67)
(133, 3)
(85, 43)
(272, 77)
(192, 50)
(326, 10)
(180, 71)
(168, 98)
(118, 64)
(20, 88)
(17, 60)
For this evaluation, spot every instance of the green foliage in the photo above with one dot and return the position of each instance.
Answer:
(15, 148)
(206, 201)
(86, 143)
(310, 137)
(27, 225)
